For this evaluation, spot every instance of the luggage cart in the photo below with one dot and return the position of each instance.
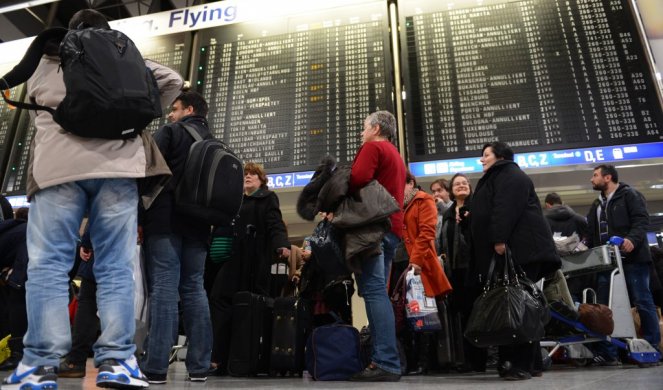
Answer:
(598, 259)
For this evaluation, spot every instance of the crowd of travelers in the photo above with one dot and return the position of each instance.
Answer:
(374, 221)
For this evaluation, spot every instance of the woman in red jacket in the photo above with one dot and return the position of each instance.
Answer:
(419, 238)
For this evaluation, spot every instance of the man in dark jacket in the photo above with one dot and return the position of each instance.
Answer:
(562, 219)
(14, 264)
(625, 216)
(175, 249)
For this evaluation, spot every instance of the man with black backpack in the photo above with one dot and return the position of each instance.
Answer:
(70, 176)
(175, 247)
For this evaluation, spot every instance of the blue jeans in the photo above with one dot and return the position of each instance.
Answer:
(372, 283)
(53, 230)
(177, 263)
(637, 284)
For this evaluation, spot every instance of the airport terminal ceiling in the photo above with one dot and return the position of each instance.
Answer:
(543, 75)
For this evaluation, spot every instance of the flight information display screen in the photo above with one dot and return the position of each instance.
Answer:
(537, 74)
(16, 174)
(8, 117)
(285, 93)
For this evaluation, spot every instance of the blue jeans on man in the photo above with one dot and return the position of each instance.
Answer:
(372, 283)
(53, 230)
(175, 267)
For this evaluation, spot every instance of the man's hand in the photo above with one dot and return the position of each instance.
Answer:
(627, 245)
(500, 248)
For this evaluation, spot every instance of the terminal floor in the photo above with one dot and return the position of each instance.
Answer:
(559, 377)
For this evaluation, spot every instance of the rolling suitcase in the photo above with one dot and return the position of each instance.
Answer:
(251, 330)
(292, 321)
(450, 352)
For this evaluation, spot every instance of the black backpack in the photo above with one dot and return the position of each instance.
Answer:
(111, 94)
(212, 184)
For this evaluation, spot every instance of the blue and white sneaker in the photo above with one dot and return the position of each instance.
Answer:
(31, 378)
(121, 374)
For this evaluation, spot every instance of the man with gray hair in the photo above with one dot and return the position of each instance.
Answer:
(378, 159)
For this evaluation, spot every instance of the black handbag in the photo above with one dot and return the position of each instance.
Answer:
(506, 312)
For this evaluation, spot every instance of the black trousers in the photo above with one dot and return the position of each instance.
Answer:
(16, 317)
(86, 323)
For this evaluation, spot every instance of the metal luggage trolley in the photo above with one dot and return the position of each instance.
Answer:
(598, 259)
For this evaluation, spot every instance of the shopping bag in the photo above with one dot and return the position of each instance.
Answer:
(420, 310)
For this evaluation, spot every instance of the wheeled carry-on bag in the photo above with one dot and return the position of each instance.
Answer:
(450, 352)
(292, 321)
(252, 332)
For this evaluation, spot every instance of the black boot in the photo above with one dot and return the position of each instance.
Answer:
(422, 348)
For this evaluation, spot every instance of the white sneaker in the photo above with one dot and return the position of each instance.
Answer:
(35, 378)
(121, 374)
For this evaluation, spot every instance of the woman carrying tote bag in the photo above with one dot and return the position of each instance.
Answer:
(507, 211)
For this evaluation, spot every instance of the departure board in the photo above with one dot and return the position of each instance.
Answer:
(16, 175)
(173, 51)
(285, 93)
(169, 50)
(8, 117)
(537, 74)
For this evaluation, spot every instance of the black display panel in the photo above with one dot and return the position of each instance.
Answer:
(8, 118)
(538, 74)
(16, 175)
(172, 50)
(285, 93)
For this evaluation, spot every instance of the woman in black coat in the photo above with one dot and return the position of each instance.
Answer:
(261, 236)
(506, 212)
(456, 243)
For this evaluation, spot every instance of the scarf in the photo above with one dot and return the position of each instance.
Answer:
(409, 196)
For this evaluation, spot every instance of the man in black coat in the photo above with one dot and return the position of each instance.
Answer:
(562, 219)
(626, 216)
(175, 248)
(14, 264)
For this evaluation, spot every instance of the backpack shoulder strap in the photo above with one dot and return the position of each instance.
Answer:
(192, 131)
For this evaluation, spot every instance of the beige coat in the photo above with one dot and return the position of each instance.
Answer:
(58, 157)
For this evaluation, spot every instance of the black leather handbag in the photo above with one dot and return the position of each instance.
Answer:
(511, 310)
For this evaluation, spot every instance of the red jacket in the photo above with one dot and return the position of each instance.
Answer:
(381, 161)
(419, 238)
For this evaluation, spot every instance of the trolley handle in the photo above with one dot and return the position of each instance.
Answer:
(616, 240)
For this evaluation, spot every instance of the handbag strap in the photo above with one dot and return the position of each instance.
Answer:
(400, 286)
(510, 274)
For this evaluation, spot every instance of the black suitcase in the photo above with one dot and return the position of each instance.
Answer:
(450, 352)
(251, 334)
(292, 322)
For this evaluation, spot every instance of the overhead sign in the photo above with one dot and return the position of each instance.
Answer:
(216, 14)
(536, 160)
